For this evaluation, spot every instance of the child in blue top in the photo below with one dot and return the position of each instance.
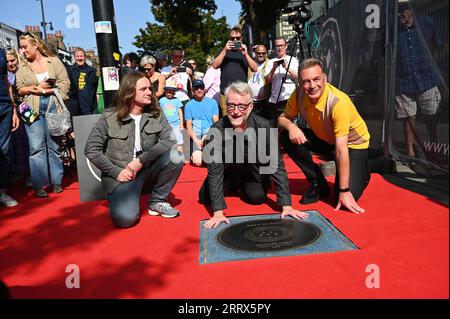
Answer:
(172, 108)
(200, 113)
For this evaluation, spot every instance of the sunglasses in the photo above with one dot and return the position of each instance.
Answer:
(261, 53)
(30, 34)
(235, 38)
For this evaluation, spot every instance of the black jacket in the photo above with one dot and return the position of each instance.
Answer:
(220, 138)
(83, 90)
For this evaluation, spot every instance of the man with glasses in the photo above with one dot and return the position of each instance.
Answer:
(245, 134)
(234, 62)
(257, 81)
(283, 76)
(179, 73)
(200, 113)
(197, 74)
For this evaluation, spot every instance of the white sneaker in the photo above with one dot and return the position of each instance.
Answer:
(163, 209)
(7, 201)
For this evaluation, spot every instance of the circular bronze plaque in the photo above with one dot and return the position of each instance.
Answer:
(269, 235)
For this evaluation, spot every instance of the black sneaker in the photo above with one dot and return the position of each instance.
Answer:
(57, 188)
(314, 193)
(39, 192)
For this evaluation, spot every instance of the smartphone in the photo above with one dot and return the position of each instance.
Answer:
(51, 81)
(237, 45)
(279, 62)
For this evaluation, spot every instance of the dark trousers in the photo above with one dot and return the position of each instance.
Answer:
(124, 200)
(6, 112)
(272, 111)
(259, 107)
(237, 177)
(300, 154)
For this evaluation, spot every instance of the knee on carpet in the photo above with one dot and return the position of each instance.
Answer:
(255, 199)
(121, 221)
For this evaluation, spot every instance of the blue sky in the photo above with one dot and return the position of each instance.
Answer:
(130, 16)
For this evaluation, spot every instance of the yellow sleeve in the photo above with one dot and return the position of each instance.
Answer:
(341, 119)
(291, 109)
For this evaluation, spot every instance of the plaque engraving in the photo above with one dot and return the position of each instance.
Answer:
(269, 235)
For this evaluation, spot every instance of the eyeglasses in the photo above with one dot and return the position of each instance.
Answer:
(240, 107)
(235, 38)
(261, 53)
(198, 88)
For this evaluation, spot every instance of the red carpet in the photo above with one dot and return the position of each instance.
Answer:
(404, 234)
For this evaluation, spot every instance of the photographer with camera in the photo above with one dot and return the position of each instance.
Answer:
(283, 76)
(234, 62)
(180, 74)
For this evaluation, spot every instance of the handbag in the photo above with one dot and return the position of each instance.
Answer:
(60, 122)
(26, 112)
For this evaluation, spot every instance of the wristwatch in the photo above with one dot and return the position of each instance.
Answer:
(344, 190)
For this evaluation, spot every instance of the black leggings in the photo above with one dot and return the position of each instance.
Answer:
(300, 154)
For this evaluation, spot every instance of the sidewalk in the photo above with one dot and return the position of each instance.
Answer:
(435, 188)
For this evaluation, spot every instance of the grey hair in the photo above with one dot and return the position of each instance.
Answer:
(148, 59)
(239, 87)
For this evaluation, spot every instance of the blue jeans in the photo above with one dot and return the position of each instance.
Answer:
(124, 200)
(46, 165)
(5, 139)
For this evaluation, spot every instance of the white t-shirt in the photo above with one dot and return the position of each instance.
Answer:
(137, 133)
(178, 80)
(42, 76)
(256, 81)
(289, 84)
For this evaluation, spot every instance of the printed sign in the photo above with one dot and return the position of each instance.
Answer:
(103, 27)
(110, 78)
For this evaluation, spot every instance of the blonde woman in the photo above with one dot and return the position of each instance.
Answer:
(158, 81)
(19, 140)
(38, 77)
(9, 122)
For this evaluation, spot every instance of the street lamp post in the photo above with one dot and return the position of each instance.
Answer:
(43, 23)
(108, 47)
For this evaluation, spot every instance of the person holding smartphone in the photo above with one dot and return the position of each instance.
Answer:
(283, 77)
(180, 73)
(39, 75)
(234, 62)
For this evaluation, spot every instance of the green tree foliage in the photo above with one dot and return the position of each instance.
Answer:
(262, 14)
(186, 23)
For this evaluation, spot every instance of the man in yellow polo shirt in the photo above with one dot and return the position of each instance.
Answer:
(336, 131)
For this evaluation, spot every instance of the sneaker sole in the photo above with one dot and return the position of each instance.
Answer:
(154, 213)
(10, 205)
